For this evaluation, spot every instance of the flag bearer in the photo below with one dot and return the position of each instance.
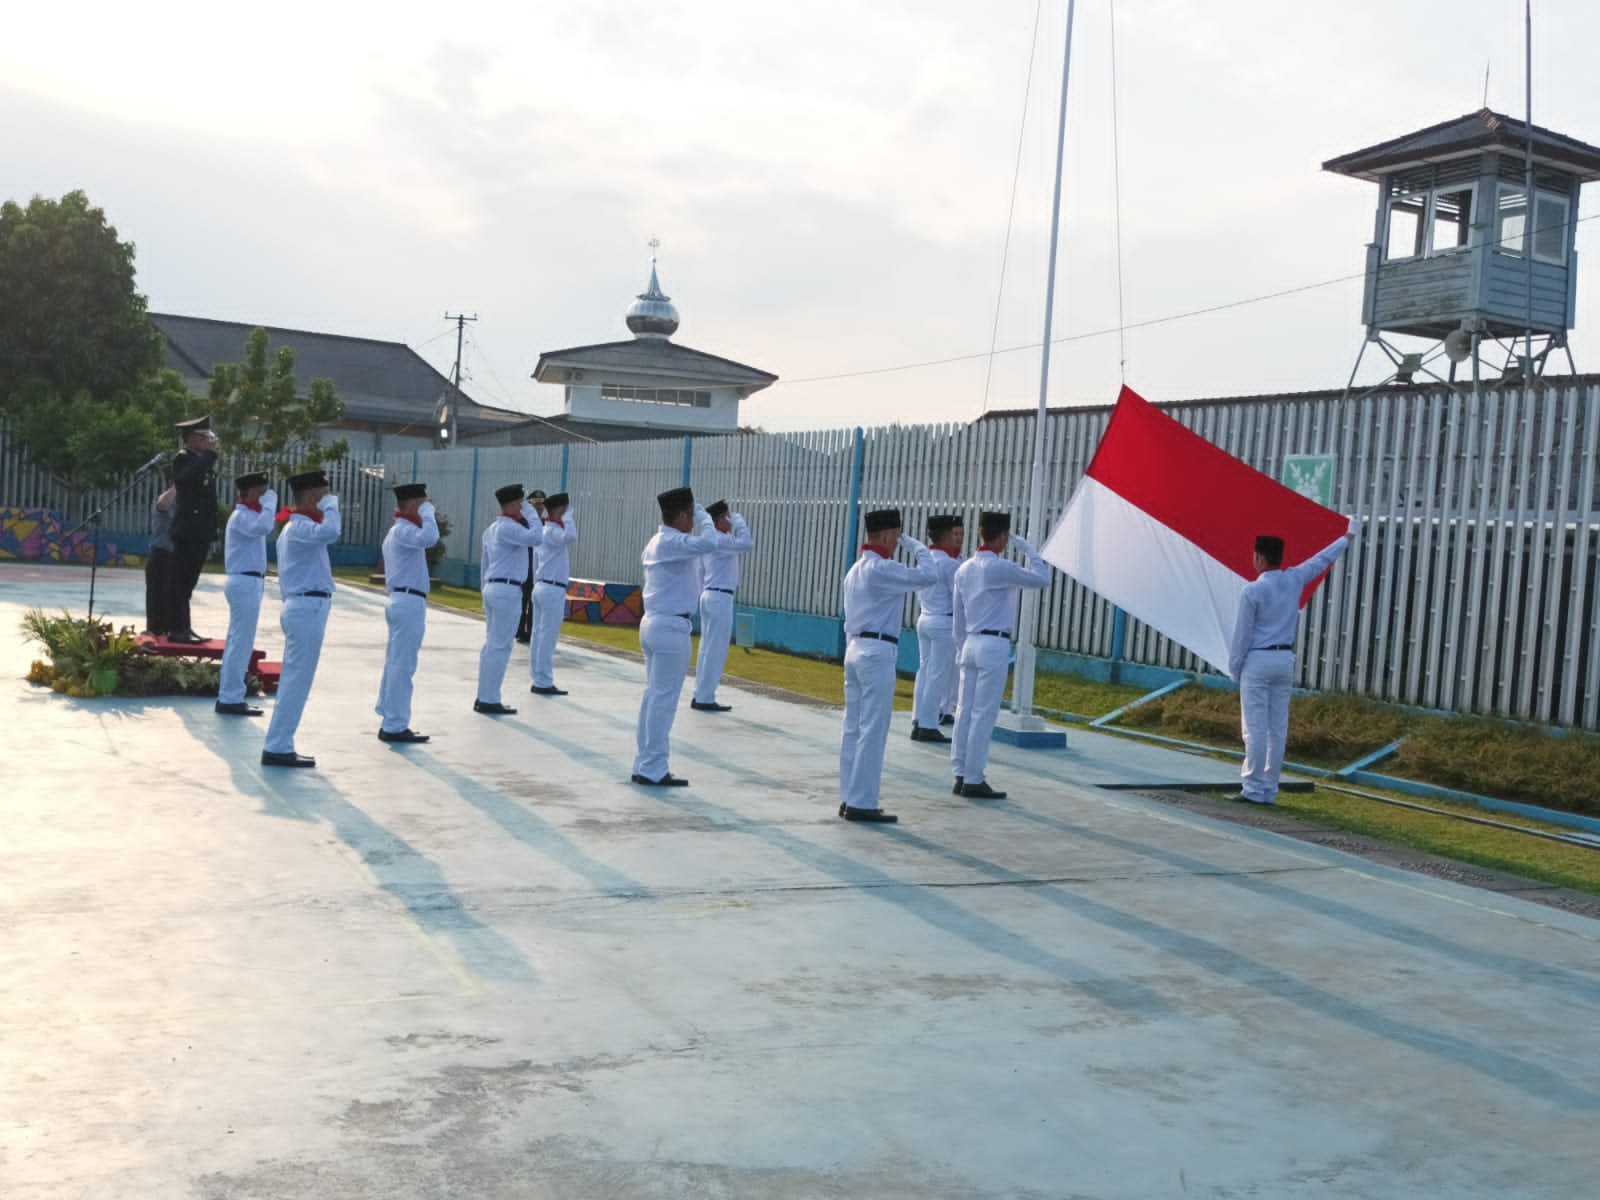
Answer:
(405, 572)
(244, 556)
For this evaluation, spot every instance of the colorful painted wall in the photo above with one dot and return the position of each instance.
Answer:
(39, 535)
(604, 603)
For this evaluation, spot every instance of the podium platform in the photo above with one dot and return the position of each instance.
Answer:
(267, 672)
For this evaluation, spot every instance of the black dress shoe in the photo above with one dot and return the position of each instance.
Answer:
(405, 735)
(185, 637)
(947, 719)
(874, 815)
(547, 691)
(270, 758)
(919, 734)
(667, 780)
(493, 710)
(981, 791)
(237, 710)
(956, 791)
(712, 707)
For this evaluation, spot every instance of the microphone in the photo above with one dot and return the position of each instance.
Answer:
(153, 462)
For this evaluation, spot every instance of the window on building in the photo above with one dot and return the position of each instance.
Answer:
(1551, 216)
(1407, 211)
(1451, 220)
(681, 397)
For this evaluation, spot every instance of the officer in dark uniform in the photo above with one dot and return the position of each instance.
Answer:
(194, 522)
(525, 625)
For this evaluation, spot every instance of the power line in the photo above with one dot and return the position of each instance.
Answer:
(505, 394)
(1146, 324)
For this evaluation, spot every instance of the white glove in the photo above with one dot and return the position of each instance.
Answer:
(1024, 545)
(530, 513)
(700, 511)
(426, 509)
(328, 501)
(911, 545)
(269, 501)
(1355, 527)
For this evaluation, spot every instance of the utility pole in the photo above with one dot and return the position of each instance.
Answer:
(461, 320)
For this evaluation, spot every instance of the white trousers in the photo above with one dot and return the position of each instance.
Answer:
(934, 694)
(868, 705)
(716, 627)
(549, 608)
(244, 612)
(1264, 686)
(664, 638)
(502, 609)
(983, 684)
(304, 620)
(407, 617)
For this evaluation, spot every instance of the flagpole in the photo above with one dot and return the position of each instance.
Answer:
(1022, 679)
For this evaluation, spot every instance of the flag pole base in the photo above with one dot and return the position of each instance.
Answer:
(1029, 732)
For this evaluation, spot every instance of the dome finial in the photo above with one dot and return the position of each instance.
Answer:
(652, 315)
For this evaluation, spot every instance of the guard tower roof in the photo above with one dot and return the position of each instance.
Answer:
(1463, 136)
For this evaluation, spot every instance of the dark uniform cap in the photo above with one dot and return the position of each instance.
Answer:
(941, 525)
(410, 491)
(253, 479)
(675, 501)
(536, 494)
(505, 495)
(1270, 547)
(197, 425)
(559, 500)
(883, 518)
(992, 524)
(307, 480)
(719, 509)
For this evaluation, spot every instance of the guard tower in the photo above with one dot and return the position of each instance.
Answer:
(1453, 261)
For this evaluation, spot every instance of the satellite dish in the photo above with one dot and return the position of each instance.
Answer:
(1458, 346)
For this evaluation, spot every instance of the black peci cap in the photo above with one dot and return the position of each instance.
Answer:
(410, 491)
(307, 480)
(941, 525)
(884, 518)
(992, 524)
(559, 500)
(505, 495)
(249, 480)
(674, 502)
(718, 509)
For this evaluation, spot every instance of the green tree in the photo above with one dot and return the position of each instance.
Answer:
(260, 415)
(80, 363)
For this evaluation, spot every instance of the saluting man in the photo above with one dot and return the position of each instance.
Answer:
(721, 571)
(244, 555)
(405, 573)
(194, 523)
(934, 695)
(551, 578)
(305, 580)
(525, 623)
(504, 567)
(875, 590)
(1261, 658)
(671, 582)
(985, 595)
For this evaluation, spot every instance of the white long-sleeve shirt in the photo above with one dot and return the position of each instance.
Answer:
(303, 550)
(938, 600)
(721, 570)
(986, 587)
(1269, 606)
(505, 544)
(672, 565)
(875, 588)
(405, 549)
(552, 559)
(244, 543)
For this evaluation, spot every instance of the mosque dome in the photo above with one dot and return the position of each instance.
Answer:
(652, 314)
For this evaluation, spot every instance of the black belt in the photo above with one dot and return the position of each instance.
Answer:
(317, 595)
(252, 574)
(512, 582)
(1290, 647)
(409, 592)
(724, 591)
(1005, 633)
(879, 637)
(560, 583)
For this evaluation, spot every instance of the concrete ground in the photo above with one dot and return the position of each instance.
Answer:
(489, 967)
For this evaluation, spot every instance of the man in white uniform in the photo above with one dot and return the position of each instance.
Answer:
(305, 580)
(985, 596)
(875, 591)
(721, 580)
(934, 694)
(1261, 659)
(405, 572)
(244, 556)
(503, 567)
(671, 581)
(552, 574)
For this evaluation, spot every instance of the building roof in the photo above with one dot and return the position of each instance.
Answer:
(1475, 132)
(386, 383)
(546, 431)
(654, 357)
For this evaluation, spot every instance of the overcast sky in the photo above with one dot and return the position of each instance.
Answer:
(829, 181)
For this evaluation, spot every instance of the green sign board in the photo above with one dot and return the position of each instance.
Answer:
(1311, 475)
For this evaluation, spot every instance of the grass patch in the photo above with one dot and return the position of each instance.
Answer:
(1509, 762)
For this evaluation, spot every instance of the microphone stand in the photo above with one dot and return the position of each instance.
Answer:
(93, 520)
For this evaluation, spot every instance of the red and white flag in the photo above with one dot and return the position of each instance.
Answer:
(1163, 524)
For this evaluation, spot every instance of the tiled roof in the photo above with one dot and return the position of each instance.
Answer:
(1484, 129)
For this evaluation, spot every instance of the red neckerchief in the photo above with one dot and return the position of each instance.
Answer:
(284, 513)
(405, 516)
(555, 521)
(252, 505)
(989, 546)
(520, 520)
(314, 514)
(943, 551)
(869, 546)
